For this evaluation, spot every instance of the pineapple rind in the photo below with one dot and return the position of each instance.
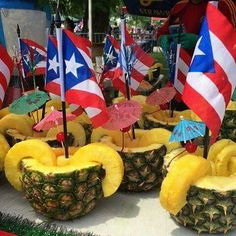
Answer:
(64, 193)
(33, 148)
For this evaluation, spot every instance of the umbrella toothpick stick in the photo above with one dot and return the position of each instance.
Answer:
(206, 143)
(62, 82)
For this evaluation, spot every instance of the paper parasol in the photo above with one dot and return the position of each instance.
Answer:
(122, 115)
(187, 130)
(161, 96)
(53, 119)
(28, 102)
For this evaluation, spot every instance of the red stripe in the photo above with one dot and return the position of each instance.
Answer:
(216, 21)
(32, 43)
(100, 119)
(120, 85)
(181, 77)
(220, 79)
(203, 109)
(3, 81)
(136, 75)
(54, 88)
(142, 56)
(4, 56)
(4, 233)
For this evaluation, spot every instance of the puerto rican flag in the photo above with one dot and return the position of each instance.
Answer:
(33, 57)
(183, 61)
(211, 79)
(111, 52)
(6, 68)
(81, 87)
(115, 62)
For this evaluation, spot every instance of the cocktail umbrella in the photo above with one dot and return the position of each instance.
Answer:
(54, 118)
(28, 102)
(161, 96)
(123, 115)
(187, 130)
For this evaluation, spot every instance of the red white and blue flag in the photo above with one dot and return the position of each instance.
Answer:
(81, 87)
(211, 79)
(138, 61)
(33, 57)
(6, 68)
(183, 61)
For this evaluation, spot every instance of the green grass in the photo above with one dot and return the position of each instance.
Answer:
(24, 227)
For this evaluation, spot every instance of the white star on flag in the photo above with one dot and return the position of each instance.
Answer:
(198, 51)
(110, 56)
(53, 64)
(72, 65)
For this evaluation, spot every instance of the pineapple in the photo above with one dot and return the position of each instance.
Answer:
(4, 147)
(4, 112)
(162, 119)
(200, 194)
(142, 157)
(228, 128)
(60, 188)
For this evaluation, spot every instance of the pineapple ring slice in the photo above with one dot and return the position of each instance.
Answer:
(4, 148)
(159, 135)
(75, 129)
(217, 147)
(4, 112)
(223, 159)
(182, 174)
(31, 148)
(110, 160)
(22, 123)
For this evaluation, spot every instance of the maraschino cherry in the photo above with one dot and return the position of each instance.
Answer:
(60, 137)
(190, 147)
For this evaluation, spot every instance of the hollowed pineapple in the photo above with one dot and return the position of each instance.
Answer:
(63, 189)
(228, 128)
(142, 157)
(162, 119)
(197, 194)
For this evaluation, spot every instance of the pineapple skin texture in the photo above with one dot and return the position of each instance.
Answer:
(62, 196)
(143, 170)
(208, 211)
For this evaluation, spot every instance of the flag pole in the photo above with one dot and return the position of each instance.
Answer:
(61, 74)
(20, 67)
(124, 61)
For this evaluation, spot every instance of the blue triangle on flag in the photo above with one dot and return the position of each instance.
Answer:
(203, 60)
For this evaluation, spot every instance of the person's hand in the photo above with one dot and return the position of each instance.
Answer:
(187, 40)
(164, 42)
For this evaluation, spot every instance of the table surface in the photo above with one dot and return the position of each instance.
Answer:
(123, 214)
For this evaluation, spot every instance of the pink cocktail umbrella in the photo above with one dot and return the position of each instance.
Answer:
(161, 96)
(52, 119)
(123, 115)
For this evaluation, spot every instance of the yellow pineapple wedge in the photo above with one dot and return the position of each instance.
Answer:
(181, 175)
(22, 123)
(4, 147)
(32, 148)
(109, 159)
(74, 128)
(4, 112)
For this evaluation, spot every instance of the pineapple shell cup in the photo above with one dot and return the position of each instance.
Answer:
(142, 157)
(200, 194)
(59, 188)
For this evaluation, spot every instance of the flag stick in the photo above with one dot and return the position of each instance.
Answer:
(206, 142)
(124, 62)
(61, 70)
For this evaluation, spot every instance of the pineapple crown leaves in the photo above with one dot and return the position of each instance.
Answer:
(23, 227)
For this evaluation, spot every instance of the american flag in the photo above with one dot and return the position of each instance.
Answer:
(33, 57)
(211, 79)
(6, 68)
(115, 68)
(81, 87)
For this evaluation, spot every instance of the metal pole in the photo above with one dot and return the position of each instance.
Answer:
(90, 27)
